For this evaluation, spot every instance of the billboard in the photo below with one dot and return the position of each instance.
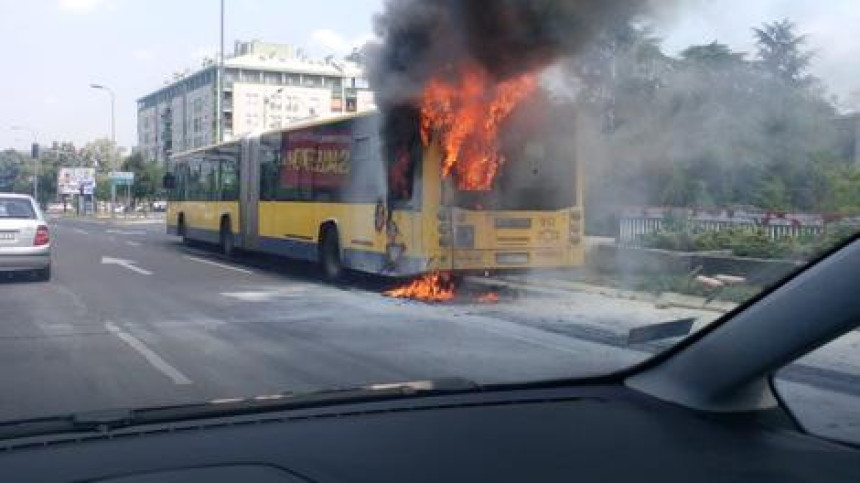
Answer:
(121, 178)
(70, 181)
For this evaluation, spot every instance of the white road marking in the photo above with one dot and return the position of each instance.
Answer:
(221, 265)
(265, 295)
(128, 264)
(251, 296)
(132, 243)
(126, 232)
(154, 359)
(82, 232)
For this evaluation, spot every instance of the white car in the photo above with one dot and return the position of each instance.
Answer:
(25, 240)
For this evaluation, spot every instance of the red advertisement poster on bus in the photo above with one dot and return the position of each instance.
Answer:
(316, 159)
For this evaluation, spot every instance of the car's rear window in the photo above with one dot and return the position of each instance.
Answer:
(16, 208)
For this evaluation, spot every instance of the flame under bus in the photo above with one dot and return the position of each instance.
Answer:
(379, 191)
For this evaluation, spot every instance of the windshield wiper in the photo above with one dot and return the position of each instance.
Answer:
(109, 420)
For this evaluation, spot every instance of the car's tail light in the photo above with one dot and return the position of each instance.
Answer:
(43, 237)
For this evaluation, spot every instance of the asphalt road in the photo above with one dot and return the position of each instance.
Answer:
(133, 318)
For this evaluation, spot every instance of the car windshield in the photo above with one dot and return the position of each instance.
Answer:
(273, 198)
(16, 208)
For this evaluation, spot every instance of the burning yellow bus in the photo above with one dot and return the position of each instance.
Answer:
(371, 193)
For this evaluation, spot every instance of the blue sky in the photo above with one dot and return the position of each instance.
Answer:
(53, 49)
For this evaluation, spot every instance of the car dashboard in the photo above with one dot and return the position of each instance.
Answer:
(591, 433)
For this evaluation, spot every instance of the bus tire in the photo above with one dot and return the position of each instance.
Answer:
(226, 238)
(329, 255)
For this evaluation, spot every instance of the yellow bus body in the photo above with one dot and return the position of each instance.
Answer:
(434, 237)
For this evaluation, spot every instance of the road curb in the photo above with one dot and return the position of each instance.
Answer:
(553, 286)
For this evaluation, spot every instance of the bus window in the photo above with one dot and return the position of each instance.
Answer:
(271, 164)
(211, 184)
(539, 170)
(194, 179)
(367, 175)
(331, 166)
(403, 156)
(184, 176)
(180, 168)
(229, 173)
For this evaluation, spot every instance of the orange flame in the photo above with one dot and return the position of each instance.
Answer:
(466, 116)
(489, 298)
(430, 287)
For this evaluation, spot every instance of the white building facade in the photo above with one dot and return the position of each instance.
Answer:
(266, 86)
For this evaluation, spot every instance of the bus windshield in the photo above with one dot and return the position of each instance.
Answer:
(538, 171)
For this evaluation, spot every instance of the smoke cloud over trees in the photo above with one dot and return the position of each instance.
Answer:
(710, 127)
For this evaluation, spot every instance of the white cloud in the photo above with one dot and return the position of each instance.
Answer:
(79, 5)
(329, 41)
(201, 53)
(143, 54)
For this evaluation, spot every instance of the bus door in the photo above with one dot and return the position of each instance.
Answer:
(249, 197)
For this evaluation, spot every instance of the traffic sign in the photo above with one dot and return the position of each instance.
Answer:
(121, 178)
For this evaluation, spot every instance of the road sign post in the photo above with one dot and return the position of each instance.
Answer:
(76, 183)
(120, 178)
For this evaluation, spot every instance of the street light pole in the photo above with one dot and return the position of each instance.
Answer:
(113, 161)
(112, 120)
(37, 163)
(219, 85)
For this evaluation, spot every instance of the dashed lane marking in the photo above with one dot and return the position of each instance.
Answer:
(220, 265)
(154, 359)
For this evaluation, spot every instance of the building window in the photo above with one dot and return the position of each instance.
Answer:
(252, 76)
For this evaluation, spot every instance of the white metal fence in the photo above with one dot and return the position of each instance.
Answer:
(636, 222)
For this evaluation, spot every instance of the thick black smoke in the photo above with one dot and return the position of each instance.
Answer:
(424, 39)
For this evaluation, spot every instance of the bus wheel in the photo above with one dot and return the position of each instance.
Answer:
(226, 238)
(330, 262)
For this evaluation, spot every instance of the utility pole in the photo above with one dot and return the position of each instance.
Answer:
(113, 160)
(35, 154)
(112, 120)
(219, 85)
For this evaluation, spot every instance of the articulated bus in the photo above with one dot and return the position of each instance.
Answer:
(364, 194)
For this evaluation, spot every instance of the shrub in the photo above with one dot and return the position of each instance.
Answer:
(746, 242)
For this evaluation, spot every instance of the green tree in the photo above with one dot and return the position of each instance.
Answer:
(713, 55)
(11, 169)
(708, 128)
(147, 177)
(773, 195)
(782, 54)
(101, 154)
